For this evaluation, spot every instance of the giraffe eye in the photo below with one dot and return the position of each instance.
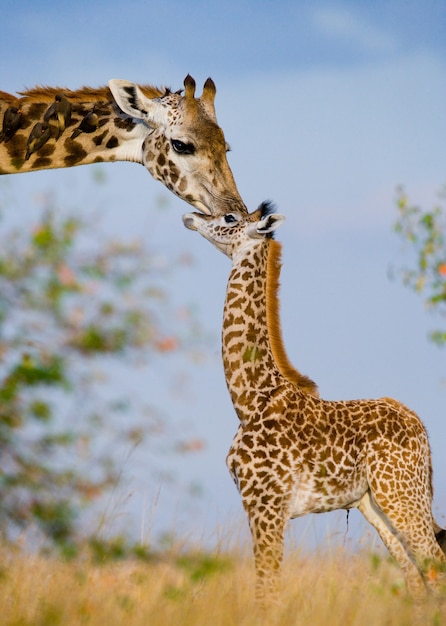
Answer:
(230, 219)
(181, 147)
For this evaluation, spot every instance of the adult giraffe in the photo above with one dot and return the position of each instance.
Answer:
(176, 137)
(295, 453)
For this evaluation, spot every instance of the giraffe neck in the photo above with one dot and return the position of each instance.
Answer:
(97, 130)
(254, 357)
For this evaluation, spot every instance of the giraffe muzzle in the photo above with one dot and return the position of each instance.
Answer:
(189, 221)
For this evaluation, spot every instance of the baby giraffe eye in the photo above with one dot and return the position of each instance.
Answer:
(230, 219)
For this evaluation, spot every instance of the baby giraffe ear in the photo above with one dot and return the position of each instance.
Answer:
(269, 224)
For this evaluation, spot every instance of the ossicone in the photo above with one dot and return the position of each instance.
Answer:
(209, 91)
(189, 87)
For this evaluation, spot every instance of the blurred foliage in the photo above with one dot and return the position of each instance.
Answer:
(425, 232)
(70, 300)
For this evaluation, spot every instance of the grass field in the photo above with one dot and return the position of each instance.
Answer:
(203, 589)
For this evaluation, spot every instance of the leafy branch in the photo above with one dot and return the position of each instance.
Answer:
(69, 303)
(425, 232)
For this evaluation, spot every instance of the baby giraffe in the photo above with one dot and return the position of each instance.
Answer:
(295, 453)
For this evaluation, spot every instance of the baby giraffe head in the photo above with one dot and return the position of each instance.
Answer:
(235, 232)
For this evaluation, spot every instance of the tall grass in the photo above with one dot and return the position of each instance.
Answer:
(203, 589)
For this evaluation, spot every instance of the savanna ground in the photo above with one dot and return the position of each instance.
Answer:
(197, 588)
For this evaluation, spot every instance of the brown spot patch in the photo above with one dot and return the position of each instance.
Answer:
(26, 123)
(37, 109)
(112, 143)
(125, 124)
(17, 147)
(47, 150)
(75, 153)
(173, 172)
(98, 139)
(42, 163)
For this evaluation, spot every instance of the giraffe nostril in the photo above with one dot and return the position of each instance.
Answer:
(189, 222)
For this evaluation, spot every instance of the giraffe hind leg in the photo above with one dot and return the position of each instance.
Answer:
(395, 544)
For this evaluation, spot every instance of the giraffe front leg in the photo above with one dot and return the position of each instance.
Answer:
(267, 530)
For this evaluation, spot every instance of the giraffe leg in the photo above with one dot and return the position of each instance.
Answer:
(413, 522)
(267, 530)
(399, 474)
(396, 545)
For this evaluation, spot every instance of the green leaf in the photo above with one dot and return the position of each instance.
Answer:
(40, 410)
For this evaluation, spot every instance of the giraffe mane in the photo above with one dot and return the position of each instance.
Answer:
(43, 93)
(285, 367)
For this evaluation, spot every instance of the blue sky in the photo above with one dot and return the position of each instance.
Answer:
(327, 108)
(224, 38)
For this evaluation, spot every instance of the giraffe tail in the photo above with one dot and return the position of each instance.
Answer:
(440, 535)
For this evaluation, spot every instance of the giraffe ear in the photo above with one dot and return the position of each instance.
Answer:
(269, 224)
(130, 99)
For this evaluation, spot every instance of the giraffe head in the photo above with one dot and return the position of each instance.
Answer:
(233, 232)
(184, 147)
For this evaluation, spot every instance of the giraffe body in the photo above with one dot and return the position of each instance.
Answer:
(176, 137)
(296, 453)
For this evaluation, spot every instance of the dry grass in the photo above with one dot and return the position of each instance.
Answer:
(203, 590)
